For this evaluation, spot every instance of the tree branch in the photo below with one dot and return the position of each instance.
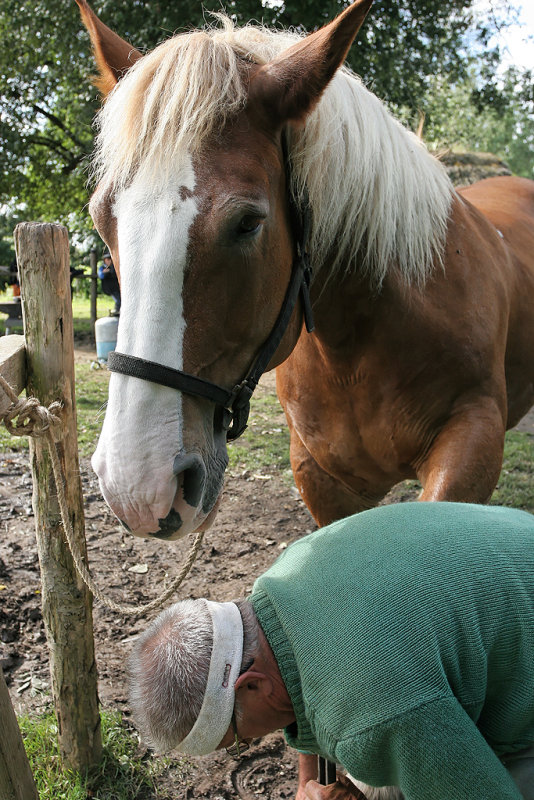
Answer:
(58, 123)
(51, 144)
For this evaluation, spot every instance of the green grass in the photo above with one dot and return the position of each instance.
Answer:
(91, 397)
(122, 774)
(516, 485)
(264, 446)
(81, 316)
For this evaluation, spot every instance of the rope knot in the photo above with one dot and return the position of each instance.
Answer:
(33, 418)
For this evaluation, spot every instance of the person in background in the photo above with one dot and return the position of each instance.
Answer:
(110, 282)
(75, 273)
(14, 278)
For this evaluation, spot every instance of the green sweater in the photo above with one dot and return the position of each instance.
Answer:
(405, 638)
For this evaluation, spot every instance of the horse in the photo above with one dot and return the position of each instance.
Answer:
(245, 180)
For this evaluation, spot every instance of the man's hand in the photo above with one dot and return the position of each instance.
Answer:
(342, 789)
(309, 789)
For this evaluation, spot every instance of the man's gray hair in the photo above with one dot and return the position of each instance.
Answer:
(168, 670)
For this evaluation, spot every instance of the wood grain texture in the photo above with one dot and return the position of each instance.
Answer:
(43, 260)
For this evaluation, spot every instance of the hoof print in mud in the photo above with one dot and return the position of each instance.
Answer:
(266, 772)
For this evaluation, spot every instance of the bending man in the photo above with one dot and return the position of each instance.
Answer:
(398, 643)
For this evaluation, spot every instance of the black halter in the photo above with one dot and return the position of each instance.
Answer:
(235, 405)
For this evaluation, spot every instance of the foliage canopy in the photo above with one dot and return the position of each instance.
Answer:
(48, 102)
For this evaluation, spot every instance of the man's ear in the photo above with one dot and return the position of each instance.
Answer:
(254, 681)
(290, 85)
(113, 55)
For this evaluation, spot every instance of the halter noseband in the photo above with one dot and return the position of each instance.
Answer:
(235, 405)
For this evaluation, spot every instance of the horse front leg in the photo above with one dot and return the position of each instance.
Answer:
(327, 498)
(465, 460)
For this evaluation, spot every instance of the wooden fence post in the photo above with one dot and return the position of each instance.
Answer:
(16, 779)
(43, 261)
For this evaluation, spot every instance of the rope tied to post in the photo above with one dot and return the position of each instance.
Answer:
(36, 420)
(33, 418)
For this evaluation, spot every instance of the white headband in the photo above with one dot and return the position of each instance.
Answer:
(217, 707)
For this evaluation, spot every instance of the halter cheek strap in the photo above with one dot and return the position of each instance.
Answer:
(217, 707)
(234, 405)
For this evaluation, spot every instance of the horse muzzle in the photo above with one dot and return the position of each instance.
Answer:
(165, 503)
(186, 514)
(196, 500)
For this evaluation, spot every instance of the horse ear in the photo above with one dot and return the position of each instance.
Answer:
(113, 55)
(291, 84)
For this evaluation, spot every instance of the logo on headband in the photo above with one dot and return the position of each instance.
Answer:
(226, 676)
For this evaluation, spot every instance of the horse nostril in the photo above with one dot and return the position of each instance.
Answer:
(193, 472)
(168, 526)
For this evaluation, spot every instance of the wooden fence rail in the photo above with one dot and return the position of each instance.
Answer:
(12, 365)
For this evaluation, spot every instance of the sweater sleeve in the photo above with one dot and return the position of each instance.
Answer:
(433, 752)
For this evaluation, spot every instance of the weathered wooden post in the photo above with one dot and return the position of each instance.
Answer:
(43, 260)
(16, 779)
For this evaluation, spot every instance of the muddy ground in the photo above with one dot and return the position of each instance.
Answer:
(260, 514)
(257, 519)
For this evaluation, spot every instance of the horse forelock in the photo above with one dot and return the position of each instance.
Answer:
(177, 96)
(378, 198)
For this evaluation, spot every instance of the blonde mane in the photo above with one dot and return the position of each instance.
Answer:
(378, 198)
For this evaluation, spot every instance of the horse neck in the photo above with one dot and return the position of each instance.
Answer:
(346, 295)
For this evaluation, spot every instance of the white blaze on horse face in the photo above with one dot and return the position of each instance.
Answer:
(142, 431)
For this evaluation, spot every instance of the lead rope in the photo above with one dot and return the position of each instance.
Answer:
(37, 421)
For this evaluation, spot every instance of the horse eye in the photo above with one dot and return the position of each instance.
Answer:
(249, 224)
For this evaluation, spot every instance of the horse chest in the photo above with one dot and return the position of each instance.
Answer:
(356, 421)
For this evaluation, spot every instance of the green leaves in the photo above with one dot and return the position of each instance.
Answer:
(496, 116)
(47, 101)
(47, 107)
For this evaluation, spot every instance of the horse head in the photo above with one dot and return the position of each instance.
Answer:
(193, 202)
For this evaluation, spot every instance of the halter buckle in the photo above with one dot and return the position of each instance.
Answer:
(235, 415)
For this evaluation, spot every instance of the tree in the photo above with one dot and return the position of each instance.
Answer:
(47, 101)
(506, 119)
(495, 117)
(47, 108)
